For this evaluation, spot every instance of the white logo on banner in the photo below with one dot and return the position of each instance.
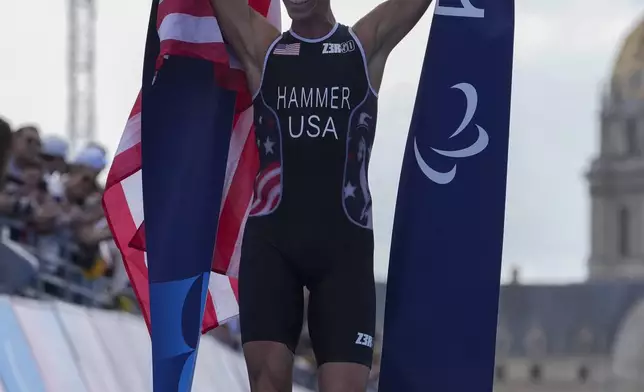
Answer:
(479, 145)
(466, 10)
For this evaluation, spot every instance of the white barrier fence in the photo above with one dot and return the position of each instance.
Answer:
(58, 347)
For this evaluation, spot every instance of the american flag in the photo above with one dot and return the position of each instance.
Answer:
(189, 28)
(287, 49)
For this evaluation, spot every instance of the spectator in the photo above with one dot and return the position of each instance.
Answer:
(30, 202)
(54, 154)
(32, 184)
(25, 149)
(80, 184)
(83, 194)
(92, 157)
(83, 217)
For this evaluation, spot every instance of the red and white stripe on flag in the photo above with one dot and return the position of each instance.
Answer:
(189, 28)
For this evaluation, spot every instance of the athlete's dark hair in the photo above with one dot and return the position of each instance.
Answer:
(5, 148)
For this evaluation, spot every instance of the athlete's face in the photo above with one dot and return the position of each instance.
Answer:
(305, 9)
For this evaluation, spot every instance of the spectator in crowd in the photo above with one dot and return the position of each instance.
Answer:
(45, 210)
(53, 154)
(26, 145)
(24, 195)
(84, 196)
(22, 149)
(83, 211)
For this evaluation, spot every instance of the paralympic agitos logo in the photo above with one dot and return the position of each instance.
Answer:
(466, 10)
(479, 145)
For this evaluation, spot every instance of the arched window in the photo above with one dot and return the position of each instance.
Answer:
(535, 343)
(583, 374)
(624, 232)
(503, 340)
(499, 373)
(536, 373)
(631, 140)
(585, 341)
(636, 80)
(639, 54)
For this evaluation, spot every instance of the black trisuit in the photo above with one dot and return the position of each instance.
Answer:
(310, 222)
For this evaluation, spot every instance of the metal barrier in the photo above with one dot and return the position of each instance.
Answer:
(42, 267)
(57, 347)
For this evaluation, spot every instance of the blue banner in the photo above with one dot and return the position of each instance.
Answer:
(186, 124)
(18, 367)
(445, 262)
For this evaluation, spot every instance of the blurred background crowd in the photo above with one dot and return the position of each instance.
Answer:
(55, 241)
(51, 216)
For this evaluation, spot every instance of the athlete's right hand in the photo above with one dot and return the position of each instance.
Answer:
(249, 34)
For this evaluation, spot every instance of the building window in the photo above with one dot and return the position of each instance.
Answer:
(503, 340)
(639, 54)
(624, 232)
(499, 373)
(535, 343)
(632, 140)
(585, 341)
(536, 373)
(583, 374)
(635, 81)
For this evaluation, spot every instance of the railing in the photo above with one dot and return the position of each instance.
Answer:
(58, 347)
(41, 267)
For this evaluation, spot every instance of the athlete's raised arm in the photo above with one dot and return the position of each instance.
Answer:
(383, 28)
(249, 34)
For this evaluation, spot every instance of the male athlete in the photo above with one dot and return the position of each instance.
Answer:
(310, 225)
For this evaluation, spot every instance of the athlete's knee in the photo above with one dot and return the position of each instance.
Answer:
(343, 377)
(270, 366)
(265, 381)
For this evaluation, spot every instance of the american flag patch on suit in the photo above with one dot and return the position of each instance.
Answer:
(287, 49)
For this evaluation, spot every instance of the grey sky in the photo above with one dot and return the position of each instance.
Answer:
(564, 51)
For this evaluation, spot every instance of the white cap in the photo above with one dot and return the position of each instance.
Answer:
(92, 157)
(55, 146)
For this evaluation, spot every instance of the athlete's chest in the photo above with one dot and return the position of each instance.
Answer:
(320, 77)
(315, 93)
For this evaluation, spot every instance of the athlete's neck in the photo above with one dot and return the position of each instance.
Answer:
(313, 27)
